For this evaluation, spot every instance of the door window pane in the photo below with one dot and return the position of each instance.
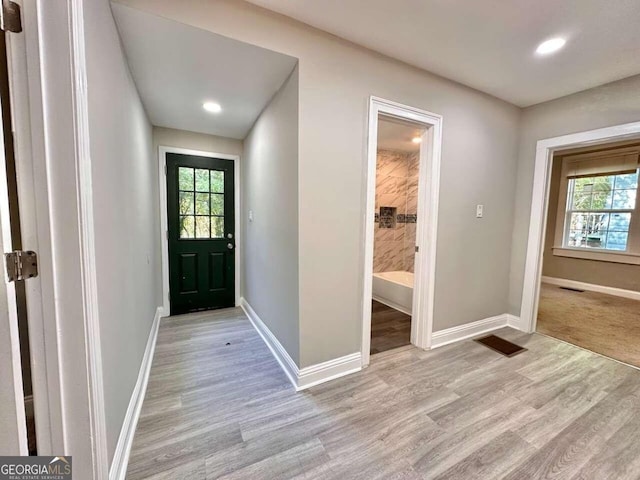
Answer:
(187, 226)
(202, 180)
(202, 227)
(201, 213)
(217, 227)
(217, 204)
(186, 203)
(217, 181)
(185, 178)
(202, 204)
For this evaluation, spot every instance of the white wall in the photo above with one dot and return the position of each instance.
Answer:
(270, 241)
(126, 210)
(170, 137)
(612, 104)
(478, 166)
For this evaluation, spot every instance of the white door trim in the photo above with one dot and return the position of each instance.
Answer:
(164, 223)
(427, 226)
(539, 205)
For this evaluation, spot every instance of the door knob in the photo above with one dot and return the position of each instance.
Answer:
(230, 246)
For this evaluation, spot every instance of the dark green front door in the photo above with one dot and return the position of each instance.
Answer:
(201, 233)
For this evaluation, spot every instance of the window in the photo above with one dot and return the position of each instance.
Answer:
(599, 211)
(201, 205)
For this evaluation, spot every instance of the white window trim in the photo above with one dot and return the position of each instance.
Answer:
(630, 256)
(598, 255)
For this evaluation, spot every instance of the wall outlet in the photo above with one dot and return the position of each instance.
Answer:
(479, 211)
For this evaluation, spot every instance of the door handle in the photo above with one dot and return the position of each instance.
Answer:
(230, 246)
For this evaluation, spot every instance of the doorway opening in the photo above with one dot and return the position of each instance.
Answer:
(200, 196)
(583, 257)
(402, 197)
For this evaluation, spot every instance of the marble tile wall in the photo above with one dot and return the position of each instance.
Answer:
(396, 186)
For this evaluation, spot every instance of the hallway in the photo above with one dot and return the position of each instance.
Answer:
(219, 406)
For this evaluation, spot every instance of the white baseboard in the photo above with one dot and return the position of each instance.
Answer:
(282, 357)
(120, 461)
(394, 305)
(516, 322)
(325, 371)
(468, 330)
(308, 376)
(618, 292)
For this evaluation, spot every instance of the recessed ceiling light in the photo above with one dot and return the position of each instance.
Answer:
(416, 139)
(550, 46)
(212, 107)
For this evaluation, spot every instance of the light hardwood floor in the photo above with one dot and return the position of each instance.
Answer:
(218, 406)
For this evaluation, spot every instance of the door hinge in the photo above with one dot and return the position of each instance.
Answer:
(21, 265)
(417, 249)
(165, 170)
(10, 20)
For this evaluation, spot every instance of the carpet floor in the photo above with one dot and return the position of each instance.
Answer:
(601, 323)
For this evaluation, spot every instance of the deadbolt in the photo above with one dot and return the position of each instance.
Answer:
(230, 246)
(229, 235)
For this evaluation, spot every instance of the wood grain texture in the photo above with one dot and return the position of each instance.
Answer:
(389, 328)
(218, 406)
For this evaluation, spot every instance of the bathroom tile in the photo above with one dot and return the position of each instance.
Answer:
(392, 165)
(414, 165)
(401, 185)
(399, 232)
(386, 184)
(388, 256)
(383, 235)
(392, 200)
(412, 204)
(410, 233)
(412, 186)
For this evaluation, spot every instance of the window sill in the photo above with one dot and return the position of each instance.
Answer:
(598, 255)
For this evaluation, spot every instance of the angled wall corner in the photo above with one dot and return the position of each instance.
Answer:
(269, 220)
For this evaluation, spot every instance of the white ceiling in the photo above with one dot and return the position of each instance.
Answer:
(397, 135)
(178, 67)
(490, 44)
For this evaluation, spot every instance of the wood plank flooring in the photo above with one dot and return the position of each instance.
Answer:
(389, 328)
(218, 406)
(598, 322)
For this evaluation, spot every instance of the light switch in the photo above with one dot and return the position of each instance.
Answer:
(479, 211)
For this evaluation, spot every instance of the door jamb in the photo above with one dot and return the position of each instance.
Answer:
(164, 223)
(427, 220)
(539, 205)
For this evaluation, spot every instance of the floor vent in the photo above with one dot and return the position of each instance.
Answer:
(501, 345)
(572, 289)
